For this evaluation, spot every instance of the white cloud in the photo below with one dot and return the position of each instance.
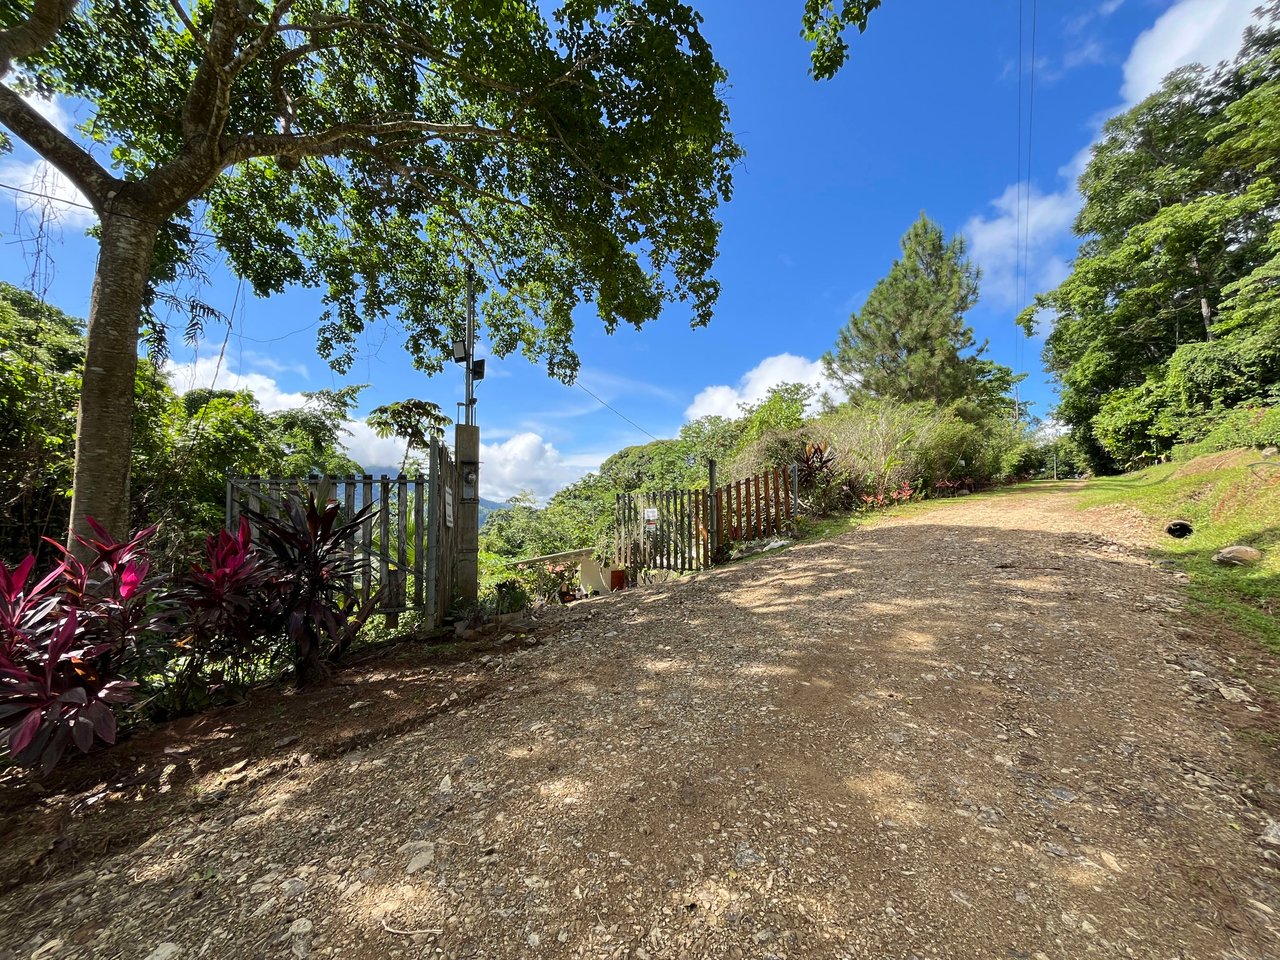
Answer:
(754, 386)
(995, 241)
(206, 372)
(528, 462)
(64, 202)
(1191, 31)
(1050, 429)
(58, 199)
(53, 109)
(524, 461)
(1078, 22)
(370, 450)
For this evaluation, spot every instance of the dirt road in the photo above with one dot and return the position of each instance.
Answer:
(990, 729)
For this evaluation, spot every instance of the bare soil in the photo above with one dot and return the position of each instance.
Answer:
(989, 729)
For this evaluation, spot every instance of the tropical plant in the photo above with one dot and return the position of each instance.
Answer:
(413, 421)
(70, 641)
(233, 620)
(315, 569)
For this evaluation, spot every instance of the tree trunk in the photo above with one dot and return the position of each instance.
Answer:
(1206, 311)
(104, 427)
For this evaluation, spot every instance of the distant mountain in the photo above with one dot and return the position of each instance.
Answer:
(486, 506)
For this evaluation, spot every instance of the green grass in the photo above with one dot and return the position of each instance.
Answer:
(1228, 498)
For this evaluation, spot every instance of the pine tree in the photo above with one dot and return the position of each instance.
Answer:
(910, 340)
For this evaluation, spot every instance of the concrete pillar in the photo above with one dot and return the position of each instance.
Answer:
(467, 453)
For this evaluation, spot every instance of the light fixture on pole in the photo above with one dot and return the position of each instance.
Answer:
(464, 352)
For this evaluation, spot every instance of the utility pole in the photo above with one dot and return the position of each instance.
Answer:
(467, 450)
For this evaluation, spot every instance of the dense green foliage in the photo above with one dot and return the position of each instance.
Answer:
(41, 349)
(910, 341)
(545, 147)
(875, 446)
(184, 446)
(82, 640)
(1170, 317)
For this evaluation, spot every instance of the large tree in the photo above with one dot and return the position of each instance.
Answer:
(910, 340)
(372, 149)
(1168, 315)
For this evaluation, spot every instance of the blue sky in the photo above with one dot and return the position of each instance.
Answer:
(924, 117)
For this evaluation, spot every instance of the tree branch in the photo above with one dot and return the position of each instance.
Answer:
(359, 136)
(196, 35)
(259, 43)
(66, 156)
(35, 33)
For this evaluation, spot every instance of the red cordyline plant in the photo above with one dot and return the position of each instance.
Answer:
(233, 611)
(314, 567)
(67, 642)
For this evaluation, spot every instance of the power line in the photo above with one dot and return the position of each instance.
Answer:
(615, 410)
(1031, 123)
(1017, 174)
(85, 206)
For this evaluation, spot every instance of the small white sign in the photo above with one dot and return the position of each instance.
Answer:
(651, 513)
(448, 506)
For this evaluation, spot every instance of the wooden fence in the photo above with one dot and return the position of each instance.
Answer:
(757, 507)
(690, 529)
(666, 530)
(441, 568)
(408, 546)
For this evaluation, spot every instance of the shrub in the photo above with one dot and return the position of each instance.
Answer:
(233, 623)
(78, 643)
(70, 641)
(313, 569)
(870, 448)
(1227, 430)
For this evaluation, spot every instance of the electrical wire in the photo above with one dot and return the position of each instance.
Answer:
(615, 410)
(209, 236)
(84, 206)
(1031, 124)
(1017, 172)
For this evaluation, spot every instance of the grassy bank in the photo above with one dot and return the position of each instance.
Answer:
(1229, 498)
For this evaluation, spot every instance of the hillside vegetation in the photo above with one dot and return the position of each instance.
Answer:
(1232, 497)
(1170, 317)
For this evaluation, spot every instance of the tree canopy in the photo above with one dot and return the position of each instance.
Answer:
(1171, 314)
(373, 149)
(184, 446)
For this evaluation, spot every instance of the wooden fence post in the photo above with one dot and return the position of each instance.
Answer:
(435, 498)
(419, 554)
(795, 491)
(713, 524)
